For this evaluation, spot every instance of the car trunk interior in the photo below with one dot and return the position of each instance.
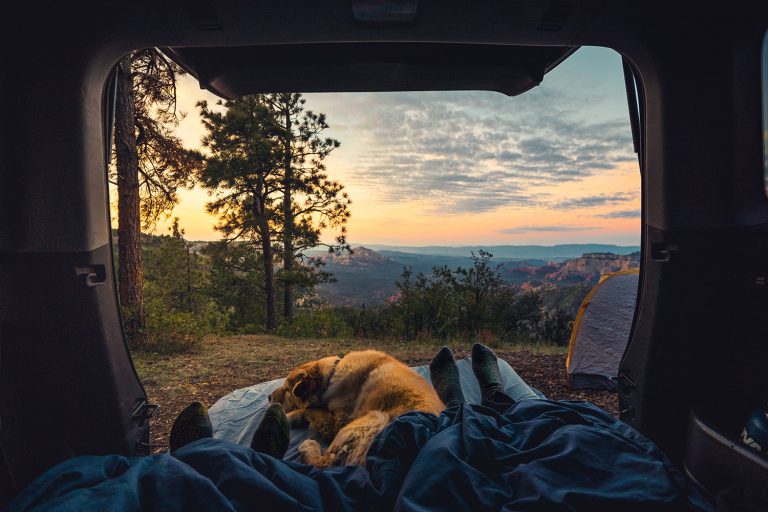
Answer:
(696, 363)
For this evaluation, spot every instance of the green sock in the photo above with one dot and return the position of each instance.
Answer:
(486, 370)
(190, 425)
(273, 434)
(445, 377)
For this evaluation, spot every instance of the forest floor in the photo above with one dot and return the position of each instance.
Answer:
(221, 365)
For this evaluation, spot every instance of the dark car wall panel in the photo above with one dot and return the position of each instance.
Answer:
(67, 386)
(698, 343)
(53, 185)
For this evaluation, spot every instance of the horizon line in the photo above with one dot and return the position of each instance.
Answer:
(364, 244)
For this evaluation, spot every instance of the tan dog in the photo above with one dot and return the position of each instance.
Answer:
(350, 400)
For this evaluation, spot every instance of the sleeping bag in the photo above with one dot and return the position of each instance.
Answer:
(537, 455)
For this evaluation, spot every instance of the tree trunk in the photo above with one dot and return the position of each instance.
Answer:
(189, 276)
(269, 282)
(288, 255)
(269, 271)
(129, 275)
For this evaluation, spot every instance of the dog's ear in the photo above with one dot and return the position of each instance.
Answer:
(308, 385)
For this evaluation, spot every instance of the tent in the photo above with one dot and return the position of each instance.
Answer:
(601, 331)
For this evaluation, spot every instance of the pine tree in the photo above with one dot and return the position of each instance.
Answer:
(267, 171)
(150, 166)
(129, 275)
(237, 283)
(311, 201)
(243, 173)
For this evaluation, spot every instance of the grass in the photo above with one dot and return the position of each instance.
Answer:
(222, 364)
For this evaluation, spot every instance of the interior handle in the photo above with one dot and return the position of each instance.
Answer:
(94, 274)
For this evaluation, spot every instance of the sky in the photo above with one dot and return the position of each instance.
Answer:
(553, 165)
(765, 111)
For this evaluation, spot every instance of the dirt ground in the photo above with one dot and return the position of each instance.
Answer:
(222, 365)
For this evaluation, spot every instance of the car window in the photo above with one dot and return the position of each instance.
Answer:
(473, 216)
(765, 111)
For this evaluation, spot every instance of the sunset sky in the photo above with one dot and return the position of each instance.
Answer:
(554, 165)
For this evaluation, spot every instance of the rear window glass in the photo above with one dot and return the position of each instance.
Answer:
(765, 112)
(474, 216)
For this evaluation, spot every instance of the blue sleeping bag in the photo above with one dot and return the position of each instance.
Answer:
(536, 455)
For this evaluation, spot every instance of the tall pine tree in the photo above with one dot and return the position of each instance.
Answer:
(242, 172)
(150, 165)
(311, 201)
(266, 169)
(129, 275)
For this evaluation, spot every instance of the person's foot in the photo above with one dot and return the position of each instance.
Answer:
(273, 434)
(190, 425)
(445, 377)
(486, 370)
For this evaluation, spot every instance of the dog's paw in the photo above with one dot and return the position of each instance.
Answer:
(309, 450)
(297, 418)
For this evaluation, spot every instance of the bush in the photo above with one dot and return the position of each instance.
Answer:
(171, 332)
(320, 323)
(377, 322)
(249, 328)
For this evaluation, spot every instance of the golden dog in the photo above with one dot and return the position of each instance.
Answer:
(349, 400)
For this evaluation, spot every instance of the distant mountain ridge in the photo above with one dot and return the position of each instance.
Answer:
(543, 252)
(585, 269)
(368, 277)
(361, 256)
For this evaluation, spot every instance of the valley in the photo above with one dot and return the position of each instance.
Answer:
(368, 277)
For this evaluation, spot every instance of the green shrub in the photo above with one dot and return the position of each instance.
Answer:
(320, 323)
(378, 322)
(249, 328)
(170, 332)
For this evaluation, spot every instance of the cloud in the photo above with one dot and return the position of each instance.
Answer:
(622, 214)
(479, 151)
(594, 201)
(549, 229)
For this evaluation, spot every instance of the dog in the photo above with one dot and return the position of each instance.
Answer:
(349, 400)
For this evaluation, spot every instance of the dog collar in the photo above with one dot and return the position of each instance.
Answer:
(333, 371)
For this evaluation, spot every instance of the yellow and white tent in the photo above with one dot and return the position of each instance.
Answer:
(601, 331)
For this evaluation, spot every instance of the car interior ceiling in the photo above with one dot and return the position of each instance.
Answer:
(696, 363)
